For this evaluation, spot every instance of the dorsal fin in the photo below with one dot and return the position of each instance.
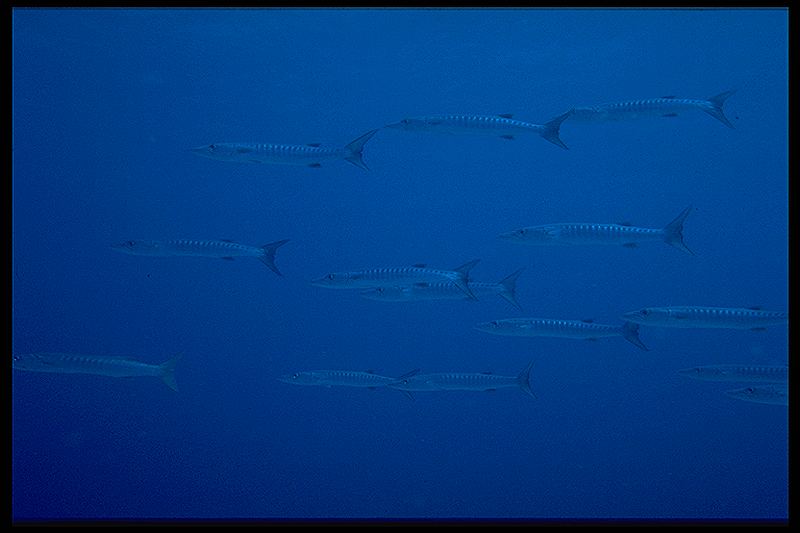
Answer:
(409, 374)
(669, 97)
(505, 115)
(314, 145)
(624, 223)
(226, 240)
(422, 284)
(419, 265)
(755, 307)
(587, 320)
(486, 373)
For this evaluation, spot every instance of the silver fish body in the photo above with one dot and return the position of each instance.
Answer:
(220, 249)
(552, 327)
(668, 106)
(111, 366)
(492, 125)
(312, 155)
(769, 394)
(379, 277)
(451, 381)
(739, 373)
(592, 233)
(707, 317)
(342, 378)
(445, 290)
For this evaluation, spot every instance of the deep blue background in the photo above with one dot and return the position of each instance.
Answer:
(105, 103)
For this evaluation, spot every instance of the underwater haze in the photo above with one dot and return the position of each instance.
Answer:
(156, 151)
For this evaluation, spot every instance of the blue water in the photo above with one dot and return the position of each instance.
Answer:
(106, 104)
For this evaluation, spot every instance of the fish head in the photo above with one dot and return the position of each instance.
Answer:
(492, 326)
(645, 315)
(225, 151)
(333, 280)
(701, 372)
(28, 361)
(139, 247)
(410, 124)
(532, 234)
(299, 378)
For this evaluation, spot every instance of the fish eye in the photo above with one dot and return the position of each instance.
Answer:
(645, 312)
(405, 121)
(521, 231)
(331, 276)
(495, 323)
(750, 389)
(16, 357)
(212, 147)
(131, 243)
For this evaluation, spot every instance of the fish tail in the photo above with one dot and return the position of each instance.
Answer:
(462, 281)
(551, 129)
(673, 232)
(715, 107)
(268, 258)
(509, 286)
(355, 148)
(168, 371)
(524, 379)
(630, 331)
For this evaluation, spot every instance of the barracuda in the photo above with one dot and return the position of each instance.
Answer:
(445, 290)
(751, 373)
(666, 106)
(551, 327)
(112, 366)
(591, 233)
(707, 317)
(198, 248)
(451, 381)
(312, 155)
(492, 125)
(378, 277)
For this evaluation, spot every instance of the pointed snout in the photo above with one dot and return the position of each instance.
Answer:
(509, 234)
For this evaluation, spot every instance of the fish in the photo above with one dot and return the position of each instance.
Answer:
(771, 394)
(445, 290)
(222, 249)
(666, 106)
(101, 365)
(552, 327)
(380, 277)
(589, 233)
(311, 155)
(707, 317)
(504, 126)
(749, 373)
(450, 381)
(342, 378)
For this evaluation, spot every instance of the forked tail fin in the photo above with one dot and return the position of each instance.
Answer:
(269, 254)
(509, 286)
(168, 371)
(524, 379)
(355, 148)
(551, 129)
(715, 108)
(462, 281)
(673, 232)
(630, 331)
